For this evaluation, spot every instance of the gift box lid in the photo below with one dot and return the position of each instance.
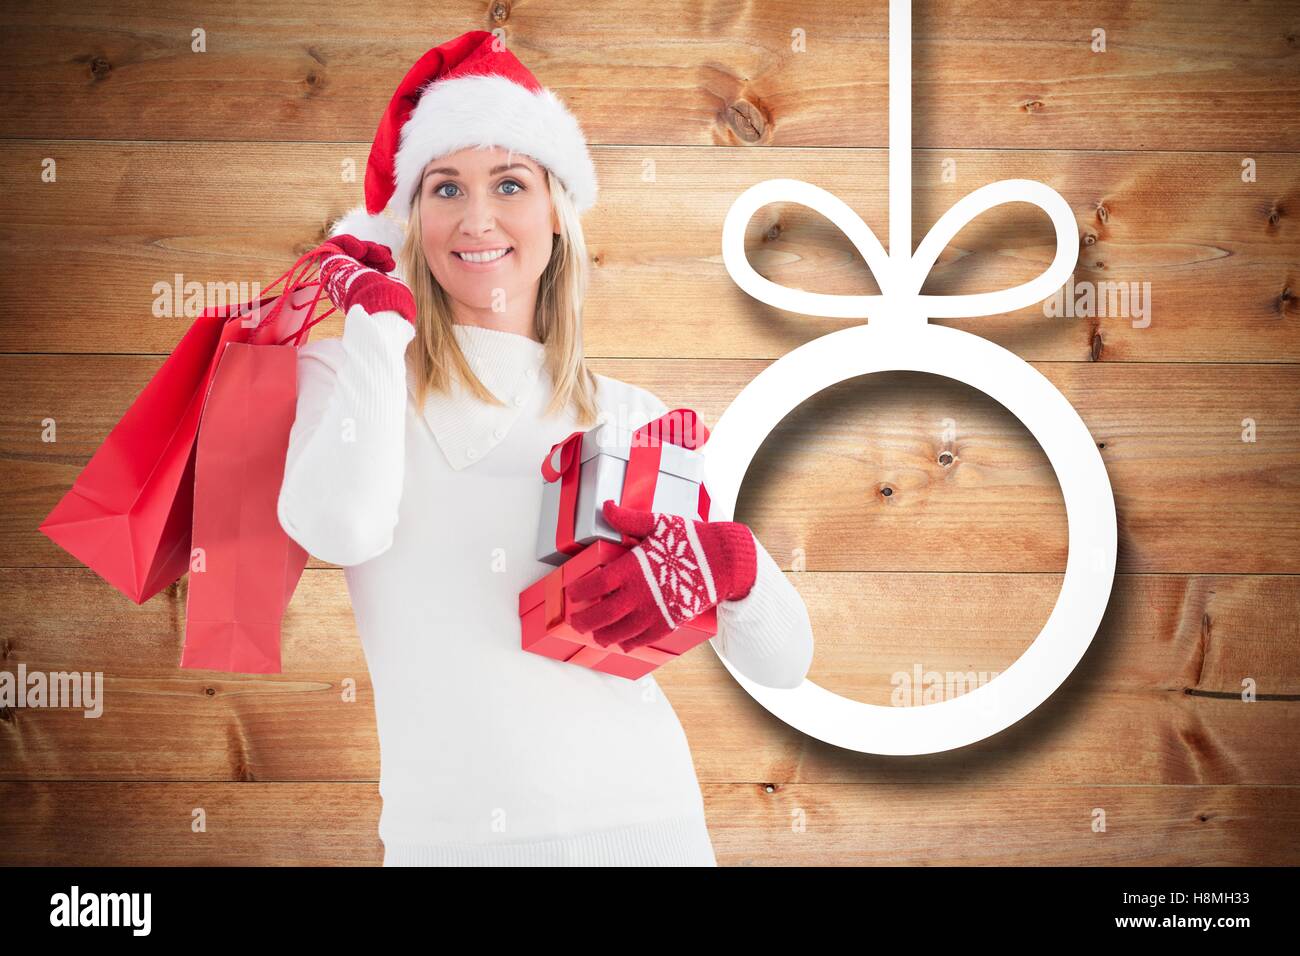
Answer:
(609, 438)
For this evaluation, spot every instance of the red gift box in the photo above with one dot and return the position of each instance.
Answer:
(545, 613)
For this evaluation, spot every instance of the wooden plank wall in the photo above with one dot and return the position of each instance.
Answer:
(226, 164)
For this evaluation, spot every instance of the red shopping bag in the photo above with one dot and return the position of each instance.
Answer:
(128, 515)
(243, 567)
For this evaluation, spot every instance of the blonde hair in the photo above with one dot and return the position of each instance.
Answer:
(435, 355)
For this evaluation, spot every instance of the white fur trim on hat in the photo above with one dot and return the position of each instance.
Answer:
(492, 111)
(379, 228)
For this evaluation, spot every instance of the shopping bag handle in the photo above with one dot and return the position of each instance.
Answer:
(292, 284)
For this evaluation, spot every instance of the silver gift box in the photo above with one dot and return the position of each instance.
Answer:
(604, 458)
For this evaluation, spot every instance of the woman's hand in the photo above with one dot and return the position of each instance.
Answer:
(678, 571)
(353, 273)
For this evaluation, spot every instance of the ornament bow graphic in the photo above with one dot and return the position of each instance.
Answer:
(899, 336)
(900, 273)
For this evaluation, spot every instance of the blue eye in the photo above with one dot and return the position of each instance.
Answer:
(510, 182)
(439, 190)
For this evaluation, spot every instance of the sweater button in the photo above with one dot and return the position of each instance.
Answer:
(471, 454)
(519, 400)
(531, 373)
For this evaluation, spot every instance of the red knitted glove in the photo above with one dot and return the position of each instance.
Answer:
(352, 273)
(676, 572)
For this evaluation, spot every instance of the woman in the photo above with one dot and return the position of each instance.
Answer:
(414, 463)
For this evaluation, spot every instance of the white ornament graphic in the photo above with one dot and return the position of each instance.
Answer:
(900, 337)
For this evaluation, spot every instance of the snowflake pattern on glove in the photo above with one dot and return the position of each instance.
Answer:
(338, 272)
(676, 570)
(354, 272)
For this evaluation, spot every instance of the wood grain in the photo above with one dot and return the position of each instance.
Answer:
(1158, 699)
(1214, 74)
(1181, 724)
(333, 824)
(1192, 495)
(1177, 228)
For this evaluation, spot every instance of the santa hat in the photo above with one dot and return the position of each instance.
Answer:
(469, 91)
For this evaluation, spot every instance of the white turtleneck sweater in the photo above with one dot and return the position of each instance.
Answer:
(490, 754)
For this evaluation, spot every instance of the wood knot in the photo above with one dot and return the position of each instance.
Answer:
(886, 491)
(1089, 238)
(747, 121)
(1103, 213)
(598, 259)
(945, 458)
(1274, 215)
(772, 233)
(100, 68)
(1095, 347)
(500, 11)
(769, 788)
(1101, 444)
(1033, 106)
(1284, 300)
(314, 80)
(210, 691)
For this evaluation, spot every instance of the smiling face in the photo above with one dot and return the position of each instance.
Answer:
(487, 224)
